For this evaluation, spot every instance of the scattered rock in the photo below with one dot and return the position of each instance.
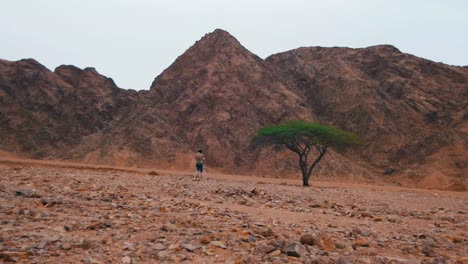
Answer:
(264, 249)
(126, 260)
(361, 242)
(251, 239)
(65, 246)
(295, 249)
(14, 256)
(205, 240)
(28, 193)
(168, 227)
(159, 246)
(218, 244)
(163, 255)
(267, 232)
(340, 245)
(307, 239)
(343, 260)
(191, 247)
(84, 244)
(128, 246)
(428, 247)
(323, 241)
(90, 260)
(275, 253)
(42, 244)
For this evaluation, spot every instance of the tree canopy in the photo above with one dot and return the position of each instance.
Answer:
(303, 137)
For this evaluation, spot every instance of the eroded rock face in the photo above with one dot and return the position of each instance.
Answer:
(45, 114)
(218, 93)
(410, 111)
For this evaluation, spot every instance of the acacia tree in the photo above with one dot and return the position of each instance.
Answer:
(304, 138)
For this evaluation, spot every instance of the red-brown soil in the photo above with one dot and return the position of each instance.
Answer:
(57, 212)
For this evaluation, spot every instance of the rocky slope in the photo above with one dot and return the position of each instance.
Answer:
(217, 93)
(408, 109)
(45, 113)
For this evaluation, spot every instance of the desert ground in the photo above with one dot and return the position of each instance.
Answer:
(53, 212)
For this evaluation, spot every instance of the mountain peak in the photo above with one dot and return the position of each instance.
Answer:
(220, 31)
(216, 50)
(384, 48)
(218, 40)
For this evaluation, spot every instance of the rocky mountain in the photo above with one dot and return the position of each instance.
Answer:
(410, 111)
(44, 114)
(217, 94)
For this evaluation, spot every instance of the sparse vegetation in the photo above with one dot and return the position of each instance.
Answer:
(304, 138)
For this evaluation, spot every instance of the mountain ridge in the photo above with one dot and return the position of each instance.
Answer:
(410, 111)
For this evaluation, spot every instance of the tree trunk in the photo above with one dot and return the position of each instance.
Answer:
(305, 181)
(305, 169)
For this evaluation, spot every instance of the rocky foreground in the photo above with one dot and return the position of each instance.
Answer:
(67, 215)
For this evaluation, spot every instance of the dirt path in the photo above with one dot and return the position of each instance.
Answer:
(18, 162)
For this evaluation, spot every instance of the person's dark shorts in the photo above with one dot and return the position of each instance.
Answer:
(199, 167)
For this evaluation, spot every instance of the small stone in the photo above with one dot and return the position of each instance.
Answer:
(251, 239)
(84, 244)
(462, 259)
(428, 248)
(106, 199)
(361, 242)
(295, 249)
(218, 244)
(307, 239)
(340, 245)
(205, 240)
(126, 260)
(89, 260)
(439, 260)
(163, 255)
(191, 247)
(275, 253)
(14, 256)
(159, 246)
(323, 241)
(42, 244)
(267, 232)
(128, 246)
(28, 193)
(343, 260)
(168, 227)
(65, 246)
(264, 249)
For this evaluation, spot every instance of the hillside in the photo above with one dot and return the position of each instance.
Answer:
(410, 111)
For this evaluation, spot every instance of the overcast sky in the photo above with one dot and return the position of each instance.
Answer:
(133, 41)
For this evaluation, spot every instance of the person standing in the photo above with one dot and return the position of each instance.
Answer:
(199, 164)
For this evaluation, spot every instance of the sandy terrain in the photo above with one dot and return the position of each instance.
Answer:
(54, 212)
